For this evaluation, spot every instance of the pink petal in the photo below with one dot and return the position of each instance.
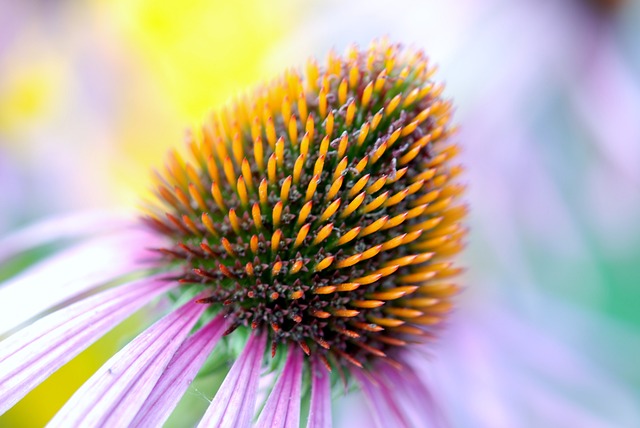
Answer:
(35, 352)
(412, 396)
(67, 275)
(234, 402)
(115, 393)
(320, 410)
(175, 380)
(384, 410)
(60, 228)
(282, 409)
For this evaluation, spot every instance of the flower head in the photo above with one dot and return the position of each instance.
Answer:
(316, 217)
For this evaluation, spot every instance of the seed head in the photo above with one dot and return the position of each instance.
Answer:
(322, 208)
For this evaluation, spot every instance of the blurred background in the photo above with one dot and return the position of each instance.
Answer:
(93, 93)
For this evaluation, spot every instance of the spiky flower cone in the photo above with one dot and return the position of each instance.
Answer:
(322, 209)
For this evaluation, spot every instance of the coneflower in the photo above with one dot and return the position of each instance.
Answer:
(312, 226)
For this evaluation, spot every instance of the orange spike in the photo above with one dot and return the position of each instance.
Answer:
(358, 186)
(196, 196)
(293, 131)
(335, 188)
(403, 312)
(369, 279)
(235, 222)
(349, 261)
(420, 302)
(305, 348)
(371, 252)
(270, 130)
(324, 263)
(345, 313)
(386, 322)
(366, 94)
(263, 192)
(376, 203)
(328, 126)
(320, 314)
(362, 164)
(327, 289)
(323, 234)
(249, 269)
(276, 214)
(229, 171)
(353, 205)
(279, 152)
(317, 169)
(275, 269)
(347, 286)
(351, 112)
(342, 165)
(228, 247)
(272, 169)
(367, 327)
(375, 226)
(392, 105)
(302, 233)
(350, 235)
(330, 210)
(311, 188)
(297, 168)
(241, 189)
(253, 243)
(342, 146)
(392, 294)
(257, 216)
(342, 92)
(226, 272)
(324, 146)
(296, 266)
(275, 240)
(208, 224)
(304, 212)
(366, 304)
(217, 196)
(304, 144)
(190, 225)
(302, 107)
(246, 173)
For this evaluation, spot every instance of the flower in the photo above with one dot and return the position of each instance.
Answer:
(312, 229)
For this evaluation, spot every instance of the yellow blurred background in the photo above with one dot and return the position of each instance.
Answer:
(102, 89)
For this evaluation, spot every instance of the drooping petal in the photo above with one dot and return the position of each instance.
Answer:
(67, 275)
(320, 410)
(60, 228)
(114, 394)
(282, 409)
(182, 369)
(234, 402)
(412, 396)
(383, 408)
(35, 352)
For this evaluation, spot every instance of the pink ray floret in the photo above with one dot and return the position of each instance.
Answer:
(282, 409)
(30, 356)
(116, 392)
(320, 410)
(69, 226)
(67, 275)
(232, 406)
(180, 372)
